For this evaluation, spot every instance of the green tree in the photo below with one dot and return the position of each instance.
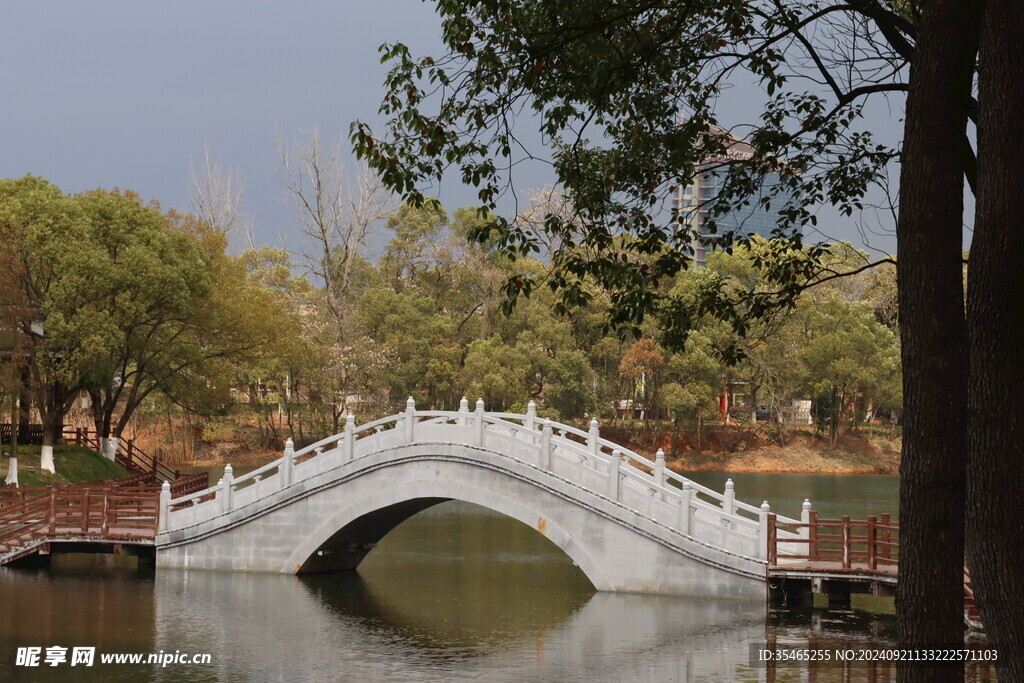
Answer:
(630, 69)
(38, 222)
(568, 388)
(695, 375)
(158, 305)
(495, 372)
(847, 354)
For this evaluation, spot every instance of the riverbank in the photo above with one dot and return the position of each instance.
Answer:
(746, 449)
(871, 449)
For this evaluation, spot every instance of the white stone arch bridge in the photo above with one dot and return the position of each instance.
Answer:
(629, 523)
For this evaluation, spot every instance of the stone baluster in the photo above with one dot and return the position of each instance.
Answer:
(479, 422)
(287, 463)
(592, 436)
(729, 501)
(659, 472)
(805, 518)
(464, 412)
(165, 506)
(531, 416)
(685, 499)
(545, 445)
(227, 488)
(614, 468)
(410, 419)
(350, 438)
(762, 530)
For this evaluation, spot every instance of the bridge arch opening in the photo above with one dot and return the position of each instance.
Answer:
(450, 540)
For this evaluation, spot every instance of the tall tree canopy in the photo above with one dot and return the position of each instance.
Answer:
(624, 93)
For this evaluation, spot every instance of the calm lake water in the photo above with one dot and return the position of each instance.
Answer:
(454, 593)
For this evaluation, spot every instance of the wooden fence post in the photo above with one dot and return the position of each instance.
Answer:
(845, 525)
(773, 546)
(886, 537)
(85, 510)
(812, 535)
(105, 525)
(872, 541)
(53, 509)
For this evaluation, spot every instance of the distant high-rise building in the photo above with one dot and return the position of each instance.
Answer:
(694, 200)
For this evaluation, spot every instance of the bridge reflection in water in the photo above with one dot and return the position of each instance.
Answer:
(454, 593)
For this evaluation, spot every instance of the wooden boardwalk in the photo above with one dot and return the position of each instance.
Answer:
(95, 517)
(842, 556)
(111, 515)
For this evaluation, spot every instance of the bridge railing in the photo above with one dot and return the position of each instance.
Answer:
(80, 512)
(844, 544)
(581, 457)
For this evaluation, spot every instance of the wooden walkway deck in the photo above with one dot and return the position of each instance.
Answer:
(843, 556)
(111, 515)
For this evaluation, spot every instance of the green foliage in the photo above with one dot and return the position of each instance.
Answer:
(625, 93)
(568, 387)
(158, 304)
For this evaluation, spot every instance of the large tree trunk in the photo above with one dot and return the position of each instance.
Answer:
(929, 598)
(995, 507)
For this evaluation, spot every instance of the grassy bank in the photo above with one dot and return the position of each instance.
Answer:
(74, 464)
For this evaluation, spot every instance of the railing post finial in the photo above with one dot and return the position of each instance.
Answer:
(659, 472)
(729, 501)
(463, 411)
(350, 437)
(593, 435)
(684, 507)
(545, 444)
(762, 529)
(228, 485)
(410, 418)
(287, 462)
(614, 467)
(531, 415)
(805, 518)
(479, 426)
(165, 506)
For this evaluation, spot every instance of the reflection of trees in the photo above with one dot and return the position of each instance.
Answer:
(461, 584)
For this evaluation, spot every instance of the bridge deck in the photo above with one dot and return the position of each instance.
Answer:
(109, 515)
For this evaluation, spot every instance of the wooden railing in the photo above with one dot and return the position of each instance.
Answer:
(136, 460)
(27, 433)
(844, 543)
(107, 513)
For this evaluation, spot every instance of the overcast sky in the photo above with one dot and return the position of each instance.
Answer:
(126, 93)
